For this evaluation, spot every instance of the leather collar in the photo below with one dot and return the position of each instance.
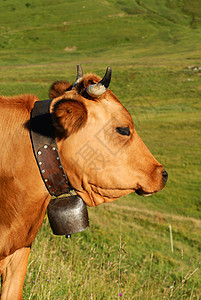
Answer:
(46, 151)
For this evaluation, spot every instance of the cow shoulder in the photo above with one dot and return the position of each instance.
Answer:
(21, 102)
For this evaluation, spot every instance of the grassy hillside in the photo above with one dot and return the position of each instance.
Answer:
(153, 48)
(62, 31)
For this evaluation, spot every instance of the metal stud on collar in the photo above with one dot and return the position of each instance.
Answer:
(52, 171)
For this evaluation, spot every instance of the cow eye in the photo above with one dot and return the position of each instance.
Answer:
(123, 130)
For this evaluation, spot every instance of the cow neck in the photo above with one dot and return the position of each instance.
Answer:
(46, 151)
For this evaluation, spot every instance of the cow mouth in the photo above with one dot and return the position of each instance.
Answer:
(140, 192)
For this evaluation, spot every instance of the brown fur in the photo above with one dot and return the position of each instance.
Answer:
(23, 102)
(102, 165)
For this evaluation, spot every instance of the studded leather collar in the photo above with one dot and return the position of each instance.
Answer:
(46, 151)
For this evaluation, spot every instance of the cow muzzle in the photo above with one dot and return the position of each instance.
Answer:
(144, 192)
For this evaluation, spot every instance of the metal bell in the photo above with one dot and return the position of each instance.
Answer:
(68, 215)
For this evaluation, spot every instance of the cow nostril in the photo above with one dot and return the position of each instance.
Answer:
(165, 176)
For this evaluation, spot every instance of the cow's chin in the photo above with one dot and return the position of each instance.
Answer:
(96, 196)
(94, 199)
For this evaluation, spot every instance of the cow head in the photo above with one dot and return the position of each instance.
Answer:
(101, 152)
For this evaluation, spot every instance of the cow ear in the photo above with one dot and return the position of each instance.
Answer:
(58, 88)
(68, 116)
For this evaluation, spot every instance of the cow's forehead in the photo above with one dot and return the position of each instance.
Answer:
(115, 109)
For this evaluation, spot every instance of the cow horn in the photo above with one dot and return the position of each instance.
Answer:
(79, 74)
(99, 88)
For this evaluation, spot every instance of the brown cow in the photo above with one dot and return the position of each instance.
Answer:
(102, 154)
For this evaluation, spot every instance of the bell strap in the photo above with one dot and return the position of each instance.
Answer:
(46, 151)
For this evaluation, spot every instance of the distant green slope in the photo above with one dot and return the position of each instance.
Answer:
(72, 29)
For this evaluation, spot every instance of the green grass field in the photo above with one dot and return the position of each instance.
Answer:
(153, 48)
